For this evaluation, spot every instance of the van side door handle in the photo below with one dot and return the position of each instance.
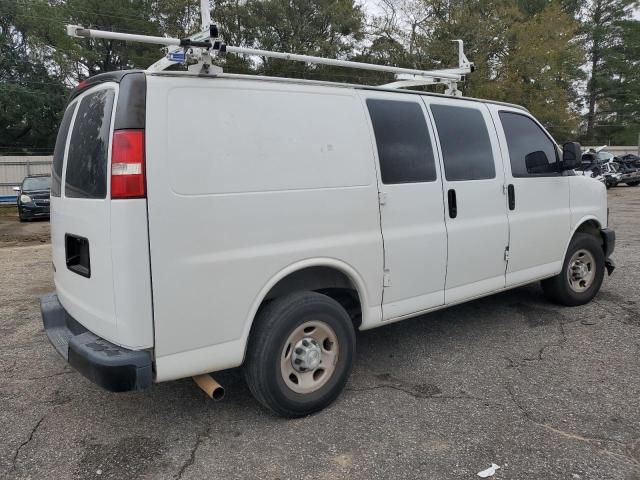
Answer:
(511, 194)
(453, 203)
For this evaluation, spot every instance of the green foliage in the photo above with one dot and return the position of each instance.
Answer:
(624, 101)
(538, 68)
(80, 59)
(32, 94)
(574, 63)
(611, 41)
(518, 57)
(326, 28)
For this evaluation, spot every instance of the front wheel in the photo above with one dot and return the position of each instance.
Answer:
(582, 273)
(300, 353)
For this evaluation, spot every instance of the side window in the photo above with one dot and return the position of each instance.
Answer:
(58, 151)
(86, 173)
(402, 138)
(466, 147)
(531, 152)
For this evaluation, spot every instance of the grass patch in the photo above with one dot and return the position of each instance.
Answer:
(8, 211)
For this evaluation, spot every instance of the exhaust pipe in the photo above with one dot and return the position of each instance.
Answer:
(213, 389)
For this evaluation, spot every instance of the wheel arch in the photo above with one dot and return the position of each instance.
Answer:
(587, 224)
(279, 284)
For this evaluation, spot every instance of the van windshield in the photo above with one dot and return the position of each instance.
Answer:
(36, 183)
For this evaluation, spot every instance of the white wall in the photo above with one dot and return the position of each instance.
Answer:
(617, 151)
(13, 169)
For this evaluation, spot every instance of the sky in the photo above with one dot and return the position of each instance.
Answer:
(371, 6)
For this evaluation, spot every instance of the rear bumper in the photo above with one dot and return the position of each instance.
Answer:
(112, 367)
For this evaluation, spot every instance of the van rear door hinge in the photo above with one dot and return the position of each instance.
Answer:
(506, 254)
(386, 279)
(382, 198)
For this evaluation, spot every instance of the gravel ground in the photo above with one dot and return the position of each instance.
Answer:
(545, 392)
(14, 233)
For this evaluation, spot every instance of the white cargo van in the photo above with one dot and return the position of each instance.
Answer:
(203, 223)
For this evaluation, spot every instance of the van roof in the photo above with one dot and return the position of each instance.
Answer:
(117, 76)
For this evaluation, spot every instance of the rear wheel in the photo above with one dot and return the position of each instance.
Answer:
(300, 353)
(582, 273)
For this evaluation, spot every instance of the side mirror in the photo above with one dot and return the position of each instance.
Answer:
(537, 162)
(571, 155)
(16, 189)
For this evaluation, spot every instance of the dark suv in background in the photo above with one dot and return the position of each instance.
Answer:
(33, 197)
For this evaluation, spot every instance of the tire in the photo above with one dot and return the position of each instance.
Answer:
(583, 250)
(633, 184)
(21, 216)
(275, 344)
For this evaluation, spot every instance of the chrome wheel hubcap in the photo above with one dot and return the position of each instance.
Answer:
(309, 357)
(581, 271)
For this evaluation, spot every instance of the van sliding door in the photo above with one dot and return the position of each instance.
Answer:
(411, 207)
(476, 212)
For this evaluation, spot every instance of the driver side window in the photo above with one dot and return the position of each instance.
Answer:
(531, 152)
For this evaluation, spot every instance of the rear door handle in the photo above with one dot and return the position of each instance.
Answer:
(453, 203)
(511, 194)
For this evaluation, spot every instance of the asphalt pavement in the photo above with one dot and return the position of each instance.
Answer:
(543, 391)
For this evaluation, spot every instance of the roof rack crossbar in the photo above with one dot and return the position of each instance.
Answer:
(201, 47)
(343, 63)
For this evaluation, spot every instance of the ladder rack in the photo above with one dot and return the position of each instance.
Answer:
(201, 48)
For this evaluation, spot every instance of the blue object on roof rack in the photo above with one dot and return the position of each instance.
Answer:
(178, 57)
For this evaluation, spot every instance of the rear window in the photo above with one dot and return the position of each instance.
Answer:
(58, 152)
(86, 173)
(36, 183)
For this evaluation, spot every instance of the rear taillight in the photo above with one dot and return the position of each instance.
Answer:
(127, 164)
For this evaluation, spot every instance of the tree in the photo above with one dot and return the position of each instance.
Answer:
(525, 51)
(326, 28)
(39, 63)
(604, 24)
(539, 70)
(518, 58)
(79, 59)
(624, 102)
(31, 94)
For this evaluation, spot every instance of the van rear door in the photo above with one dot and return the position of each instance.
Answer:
(100, 244)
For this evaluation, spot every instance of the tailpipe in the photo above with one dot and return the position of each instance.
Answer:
(207, 383)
